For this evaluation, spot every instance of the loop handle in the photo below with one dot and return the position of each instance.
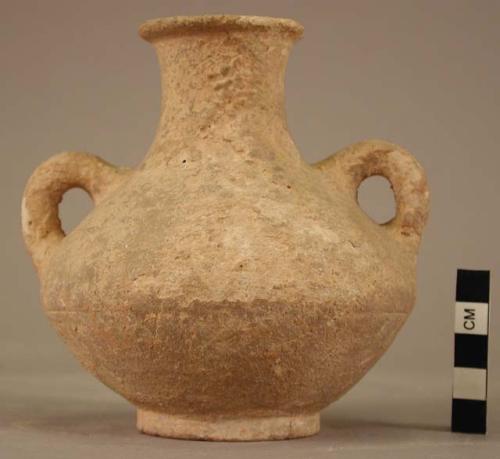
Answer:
(44, 191)
(377, 157)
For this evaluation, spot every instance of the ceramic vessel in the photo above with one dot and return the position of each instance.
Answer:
(225, 287)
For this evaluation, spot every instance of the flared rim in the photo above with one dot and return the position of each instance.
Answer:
(157, 28)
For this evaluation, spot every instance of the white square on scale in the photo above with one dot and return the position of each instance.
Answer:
(471, 318)
(469, 383)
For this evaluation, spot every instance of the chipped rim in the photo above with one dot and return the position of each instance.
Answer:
(156, 28)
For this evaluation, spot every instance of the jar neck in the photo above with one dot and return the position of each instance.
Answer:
(221, 86)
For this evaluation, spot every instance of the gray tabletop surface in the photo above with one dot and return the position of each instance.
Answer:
(389, 414)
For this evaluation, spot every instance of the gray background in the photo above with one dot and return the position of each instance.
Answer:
(424, 74)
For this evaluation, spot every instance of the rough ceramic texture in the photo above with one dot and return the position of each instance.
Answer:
(225, 287)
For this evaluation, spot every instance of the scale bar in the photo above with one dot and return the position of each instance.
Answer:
(470, 374)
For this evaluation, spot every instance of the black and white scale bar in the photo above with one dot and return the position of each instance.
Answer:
(470, 373)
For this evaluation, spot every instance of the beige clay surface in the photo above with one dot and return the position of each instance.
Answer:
(225, 287)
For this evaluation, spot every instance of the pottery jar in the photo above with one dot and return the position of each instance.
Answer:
(225, 287)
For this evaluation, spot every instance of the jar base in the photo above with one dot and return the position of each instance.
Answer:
(227, 429)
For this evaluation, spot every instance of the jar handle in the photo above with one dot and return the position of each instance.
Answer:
(407, 178)
(44, 191)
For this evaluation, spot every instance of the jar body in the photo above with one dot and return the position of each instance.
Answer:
(243, 293)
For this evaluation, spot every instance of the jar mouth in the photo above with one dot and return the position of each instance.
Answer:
(157, 28)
